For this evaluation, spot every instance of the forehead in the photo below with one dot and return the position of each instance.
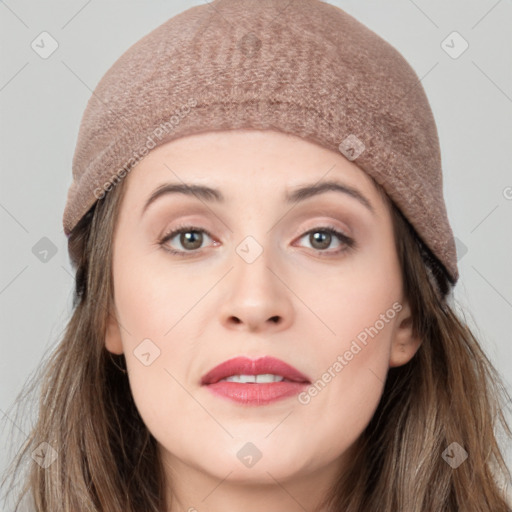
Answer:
(245, 160)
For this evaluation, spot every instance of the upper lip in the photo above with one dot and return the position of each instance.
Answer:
(246, 366)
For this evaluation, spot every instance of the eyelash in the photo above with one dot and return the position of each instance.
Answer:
(350, 243)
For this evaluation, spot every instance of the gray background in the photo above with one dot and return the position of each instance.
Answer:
(42, 101)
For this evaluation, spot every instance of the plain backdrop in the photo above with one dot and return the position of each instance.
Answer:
(42, 101)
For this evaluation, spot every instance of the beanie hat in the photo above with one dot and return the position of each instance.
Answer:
(303, 67)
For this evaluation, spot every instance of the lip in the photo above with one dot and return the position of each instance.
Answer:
(256, 394)
(247, 366)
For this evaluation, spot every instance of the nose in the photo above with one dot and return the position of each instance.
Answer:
(258, 299)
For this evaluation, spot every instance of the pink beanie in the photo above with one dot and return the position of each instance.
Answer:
(302, 67)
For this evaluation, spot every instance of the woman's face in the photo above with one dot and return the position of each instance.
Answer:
(256, 275)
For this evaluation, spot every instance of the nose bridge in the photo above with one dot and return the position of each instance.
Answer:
(253, 261)
(254, 249)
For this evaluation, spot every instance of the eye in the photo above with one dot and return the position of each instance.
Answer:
(190, 238)
(321, 238)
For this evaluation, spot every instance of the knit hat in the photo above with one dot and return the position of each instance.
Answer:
(303, 67)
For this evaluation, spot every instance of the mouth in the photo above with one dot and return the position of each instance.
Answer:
(265, 370)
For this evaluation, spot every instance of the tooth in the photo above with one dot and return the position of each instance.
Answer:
(268, 377)
(257, 379)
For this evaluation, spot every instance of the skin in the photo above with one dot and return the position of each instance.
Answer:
(203, 309)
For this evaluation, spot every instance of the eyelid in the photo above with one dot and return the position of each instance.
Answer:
(321, 223)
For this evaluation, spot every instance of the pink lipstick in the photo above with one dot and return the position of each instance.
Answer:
(255, 382)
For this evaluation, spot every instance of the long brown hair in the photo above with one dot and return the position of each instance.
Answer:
(107, 460)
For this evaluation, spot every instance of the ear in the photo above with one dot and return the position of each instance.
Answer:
(113, 342)
(405, 343)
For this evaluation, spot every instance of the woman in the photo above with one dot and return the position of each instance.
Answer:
(264, 274)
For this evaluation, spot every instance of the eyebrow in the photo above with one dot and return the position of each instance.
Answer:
(299, 194)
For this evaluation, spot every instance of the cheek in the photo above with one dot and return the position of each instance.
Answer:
(352, 361)
(347, 389)
(162, 316)
(157, 355)
(151, 301)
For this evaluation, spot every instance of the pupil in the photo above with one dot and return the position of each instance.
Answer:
(317, 236)
(188, 237)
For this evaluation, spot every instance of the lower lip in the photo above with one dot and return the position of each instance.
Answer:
(256, 394)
